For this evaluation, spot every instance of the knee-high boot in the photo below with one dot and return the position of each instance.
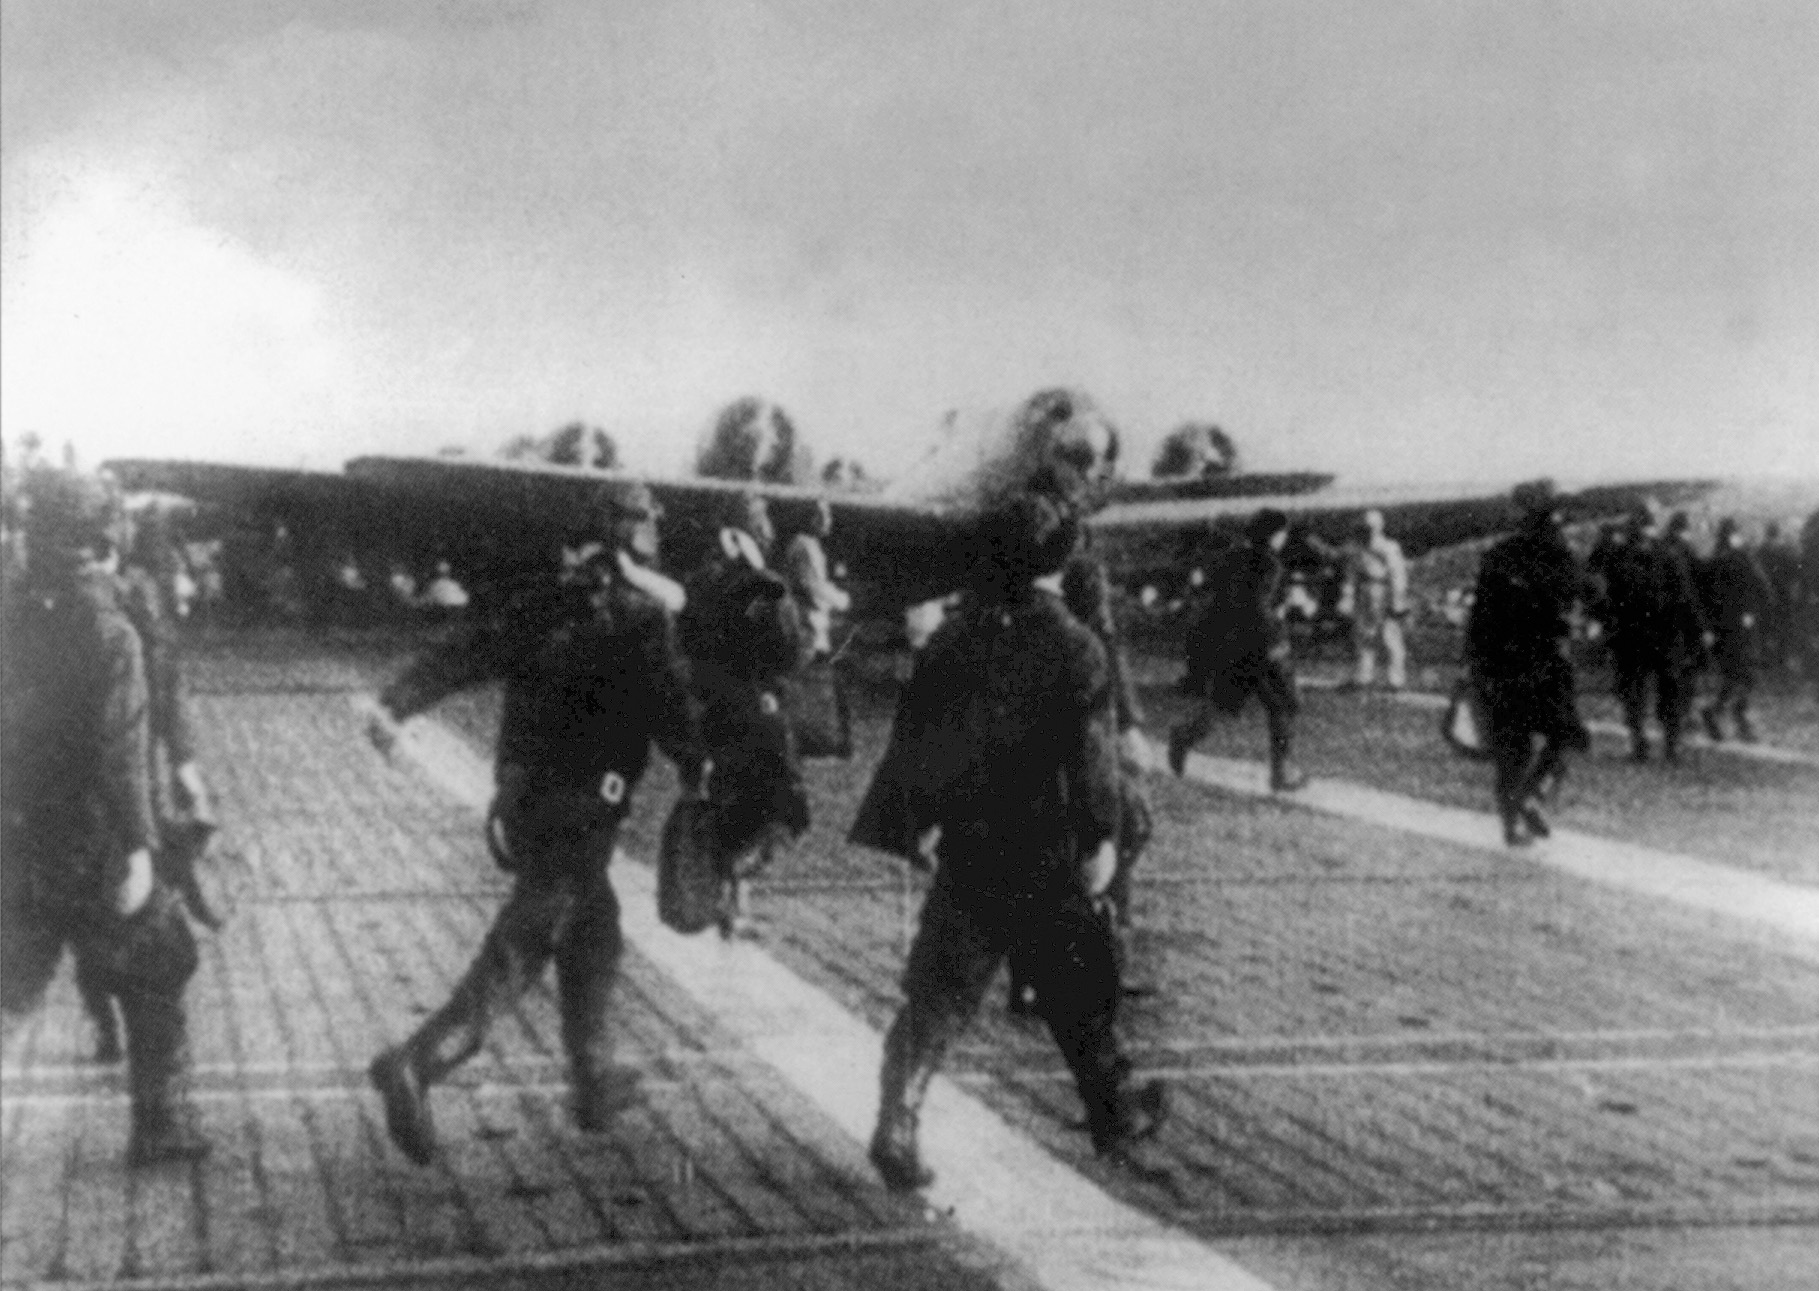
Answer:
(157, 1046)
(913, 1051)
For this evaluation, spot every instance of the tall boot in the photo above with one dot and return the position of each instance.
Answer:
(602, 1088)
(1119, 1111)
(404, 1073)
(158, 1072)
(912, 1054)
(1285, 776)
(587, 970)
(98, 1003)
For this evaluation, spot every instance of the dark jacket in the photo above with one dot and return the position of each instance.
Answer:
(1736, 589)
(591, 679)
(1006, 737)
(75, 768)
(1236, 625)
(1650, 607)
(744, 635)
(1527, 587)
(153, 616)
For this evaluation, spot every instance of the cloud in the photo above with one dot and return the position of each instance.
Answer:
(130, 327)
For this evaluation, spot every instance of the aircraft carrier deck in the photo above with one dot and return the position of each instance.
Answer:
(1400, 1059)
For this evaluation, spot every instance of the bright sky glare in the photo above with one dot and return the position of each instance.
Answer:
(1408, 240)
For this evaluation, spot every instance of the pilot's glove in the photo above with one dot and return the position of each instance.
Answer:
(189, 781)
(136, 887)
(1097, 870)
(1135, 751)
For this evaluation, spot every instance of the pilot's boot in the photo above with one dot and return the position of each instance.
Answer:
(164, 1119)
(98, 1003)
(587, 967)
(404, 1091)
(1179, 745)
(912, 1054)
(1285, 776)
(451, 1035)
(602, 1088)
(1119, 1112)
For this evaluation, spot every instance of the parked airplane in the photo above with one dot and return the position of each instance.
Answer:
(487, 517)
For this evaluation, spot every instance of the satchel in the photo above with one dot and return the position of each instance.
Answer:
(689, 869)
(819, 713)
(1463, 726)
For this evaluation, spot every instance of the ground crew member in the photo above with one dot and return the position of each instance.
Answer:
(1655, 630)
(805, 570)
(592, 677)
(76, 795)
(744, 635)
(180, 799)
(1015, 764)
(1737, 597)
(1516, 647)
(1237, 648)
(1375, 598)
(1779, 560)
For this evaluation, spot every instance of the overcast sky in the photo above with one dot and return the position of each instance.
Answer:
(1394, 238)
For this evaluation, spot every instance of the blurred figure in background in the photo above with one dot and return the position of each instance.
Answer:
(1656, 632)
(1516, 647)
(77, 825)
(1375, 598)
(1779, 559)
(744, 635)
(1737, 599)
(805, 569)
(1237, 647)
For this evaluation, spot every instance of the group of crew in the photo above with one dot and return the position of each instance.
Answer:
(1664, 612)
(102, 808)
(1014, 768)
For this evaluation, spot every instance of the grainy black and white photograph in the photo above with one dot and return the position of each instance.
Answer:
(951, 646)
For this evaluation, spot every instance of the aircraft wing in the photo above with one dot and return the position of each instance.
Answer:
(1145, 538)
(488, 517)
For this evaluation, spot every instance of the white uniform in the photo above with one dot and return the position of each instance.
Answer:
(1376, 590)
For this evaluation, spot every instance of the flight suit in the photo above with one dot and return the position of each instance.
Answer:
(1738, 598)
(1516, 645)
(1652, 613)
(77, 802)
(743, 635)
(1376, 594)
(173, 754)
(1236, 648)
(1015, 758)
(592, 677)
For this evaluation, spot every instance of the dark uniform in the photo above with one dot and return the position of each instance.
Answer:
(1086, 591)
(1780, 562)
(743, 635)
(1516, 645)
(1738, 598)
(1237, 648)
(592, 677)
(178, 801)
(75, 783)
(1014, 757)
(1651, 611)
